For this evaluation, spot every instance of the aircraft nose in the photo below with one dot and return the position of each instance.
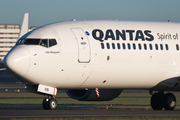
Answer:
(17, 61)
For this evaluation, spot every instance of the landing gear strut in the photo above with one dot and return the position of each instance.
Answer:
(49, 103)
(160, 100)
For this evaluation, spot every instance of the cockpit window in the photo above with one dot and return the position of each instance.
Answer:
(20, 41)
(32, 42)
(52, 42)
(44, 42)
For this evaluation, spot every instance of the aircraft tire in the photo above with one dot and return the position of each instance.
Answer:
(45, 104)
(52, 104)
(157, 101)
(169, 101)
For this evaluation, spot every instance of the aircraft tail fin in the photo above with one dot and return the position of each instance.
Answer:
(24, 25)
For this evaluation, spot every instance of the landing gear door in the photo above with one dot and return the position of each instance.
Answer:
(83, 45)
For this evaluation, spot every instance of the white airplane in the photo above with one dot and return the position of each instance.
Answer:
(96, 60)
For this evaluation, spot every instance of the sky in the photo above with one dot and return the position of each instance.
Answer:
(48, 11)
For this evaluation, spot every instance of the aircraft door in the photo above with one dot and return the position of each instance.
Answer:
(83, 45)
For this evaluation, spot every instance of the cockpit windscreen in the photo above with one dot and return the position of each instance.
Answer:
(32, 42)
(42, 42)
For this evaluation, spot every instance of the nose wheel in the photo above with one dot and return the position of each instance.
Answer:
(49, 103)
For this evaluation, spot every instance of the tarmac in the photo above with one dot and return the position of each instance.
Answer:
(18, 114)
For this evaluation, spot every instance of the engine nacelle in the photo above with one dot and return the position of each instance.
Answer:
(90, 95)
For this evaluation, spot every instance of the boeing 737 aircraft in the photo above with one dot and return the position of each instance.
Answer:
(96, 60)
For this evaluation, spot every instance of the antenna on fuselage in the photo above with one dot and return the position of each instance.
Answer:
(24, 25)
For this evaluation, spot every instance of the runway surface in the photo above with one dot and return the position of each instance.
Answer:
(7, 114)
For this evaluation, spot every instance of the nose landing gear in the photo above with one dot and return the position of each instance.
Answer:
(49, 103)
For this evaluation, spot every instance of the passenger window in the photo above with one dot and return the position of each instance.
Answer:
(134, 46)
(107, 44)
(161, 46)
(124, 46)
(102, 45)
(177, 46)
(156, 46)
(139, 46)
(167, 48)
(150, 46)
(129, 46)
(52, 42)
(113, 45)
(44, 42)
(145, 47)
(118, 45)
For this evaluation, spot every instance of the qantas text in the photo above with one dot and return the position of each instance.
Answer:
(117, 35)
